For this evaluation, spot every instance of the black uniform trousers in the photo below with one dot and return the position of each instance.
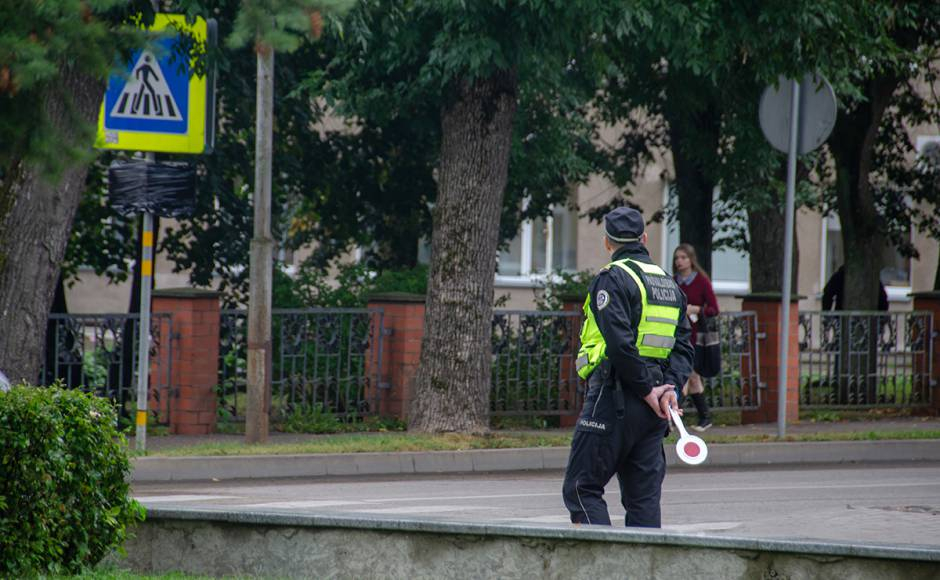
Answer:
(604, 445)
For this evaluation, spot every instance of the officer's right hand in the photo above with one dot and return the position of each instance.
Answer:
(652, 399)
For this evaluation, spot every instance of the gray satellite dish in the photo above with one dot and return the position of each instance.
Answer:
(817, 113)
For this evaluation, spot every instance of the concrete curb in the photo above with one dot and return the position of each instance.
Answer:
(824, 548)
(156, 469)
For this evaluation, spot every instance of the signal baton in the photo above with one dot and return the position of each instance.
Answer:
(690, 449)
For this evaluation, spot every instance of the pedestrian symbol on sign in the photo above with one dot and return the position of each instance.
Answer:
(146, 94)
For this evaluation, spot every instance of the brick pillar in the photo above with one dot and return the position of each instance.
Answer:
(401, 350)
(929, 302)
(195, 360)
(769, 319)
(568, 372)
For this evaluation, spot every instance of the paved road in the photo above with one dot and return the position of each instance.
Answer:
(893, 504)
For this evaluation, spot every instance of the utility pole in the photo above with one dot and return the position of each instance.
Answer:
(262, 258)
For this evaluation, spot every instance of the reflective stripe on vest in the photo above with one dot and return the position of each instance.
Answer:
(659, 317)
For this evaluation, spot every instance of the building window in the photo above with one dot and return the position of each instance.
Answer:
(543, 245)
(731, 269)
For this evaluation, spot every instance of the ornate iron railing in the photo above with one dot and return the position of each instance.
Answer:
(738, 384)
(534, 356)
(865, 359)
(98, 353)
(323, 360)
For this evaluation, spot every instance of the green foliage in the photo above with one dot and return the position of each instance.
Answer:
(412, 281)
(63, 481)
(313, 419)
(401, 62)
(519, 423)
(348, 287)
(366, 179)
(281, 24)
(101, 238)
(39, 42)
(320, 420)
(563, 286)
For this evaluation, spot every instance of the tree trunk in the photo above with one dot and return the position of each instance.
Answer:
(452, 385)
(853, 147)
(766, 225)
(693, 137)
(766, 232)
(35, 222)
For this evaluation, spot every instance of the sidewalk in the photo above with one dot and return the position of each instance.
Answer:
(155, 468)
(166, 442)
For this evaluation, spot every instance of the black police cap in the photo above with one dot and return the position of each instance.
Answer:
(623, 225)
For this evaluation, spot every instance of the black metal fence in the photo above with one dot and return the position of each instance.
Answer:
(738, 385)
(325, 360)
(865, 359)
(534, 355)
(98, 353)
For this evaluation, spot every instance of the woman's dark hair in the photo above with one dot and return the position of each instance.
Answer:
(689, 251)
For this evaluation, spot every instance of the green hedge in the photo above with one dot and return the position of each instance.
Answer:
(64, 501)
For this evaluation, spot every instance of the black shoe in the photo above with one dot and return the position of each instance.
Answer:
(703, 425)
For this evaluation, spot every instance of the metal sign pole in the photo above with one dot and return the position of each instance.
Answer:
(143, 342)
(788, 260)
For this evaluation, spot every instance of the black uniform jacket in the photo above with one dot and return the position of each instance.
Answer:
(619, 319)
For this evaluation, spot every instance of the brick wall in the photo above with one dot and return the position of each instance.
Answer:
(930, 302)
(195, 358)
(769, 320)
(401, 350)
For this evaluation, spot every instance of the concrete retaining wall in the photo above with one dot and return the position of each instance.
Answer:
(282, 545)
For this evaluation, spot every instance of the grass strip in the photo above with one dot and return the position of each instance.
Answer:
(391, 442)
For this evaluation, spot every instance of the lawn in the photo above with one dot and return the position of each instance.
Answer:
(390, 442)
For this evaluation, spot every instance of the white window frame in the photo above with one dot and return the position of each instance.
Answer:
(526, 277)
(721, 287)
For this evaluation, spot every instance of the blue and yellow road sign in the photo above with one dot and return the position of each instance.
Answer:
(159, 104)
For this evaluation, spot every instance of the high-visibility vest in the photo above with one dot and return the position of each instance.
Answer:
(659, 317)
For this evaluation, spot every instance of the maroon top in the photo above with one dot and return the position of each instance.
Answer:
(699, 293)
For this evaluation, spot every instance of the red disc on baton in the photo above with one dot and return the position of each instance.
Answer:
(690, 449)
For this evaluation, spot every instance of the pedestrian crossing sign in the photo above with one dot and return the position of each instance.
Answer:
(158, 103)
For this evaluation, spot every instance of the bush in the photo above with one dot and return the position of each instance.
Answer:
(349, 287)
(563, 285)
(64, 501)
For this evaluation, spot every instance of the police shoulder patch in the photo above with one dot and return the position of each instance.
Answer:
(603, 299)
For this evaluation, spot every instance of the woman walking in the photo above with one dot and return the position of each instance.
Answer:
(701, 303)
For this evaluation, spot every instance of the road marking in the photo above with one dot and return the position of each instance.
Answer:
(682, 490)
(809, 486)
(301, 504)
(459, 497)
(705, 527)
(613, 492)
(429, 509)
(171, 498)
(556, 519)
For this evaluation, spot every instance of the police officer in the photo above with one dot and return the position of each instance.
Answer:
(634, 349)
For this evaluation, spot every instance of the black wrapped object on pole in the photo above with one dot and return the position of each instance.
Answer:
(166, 189)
